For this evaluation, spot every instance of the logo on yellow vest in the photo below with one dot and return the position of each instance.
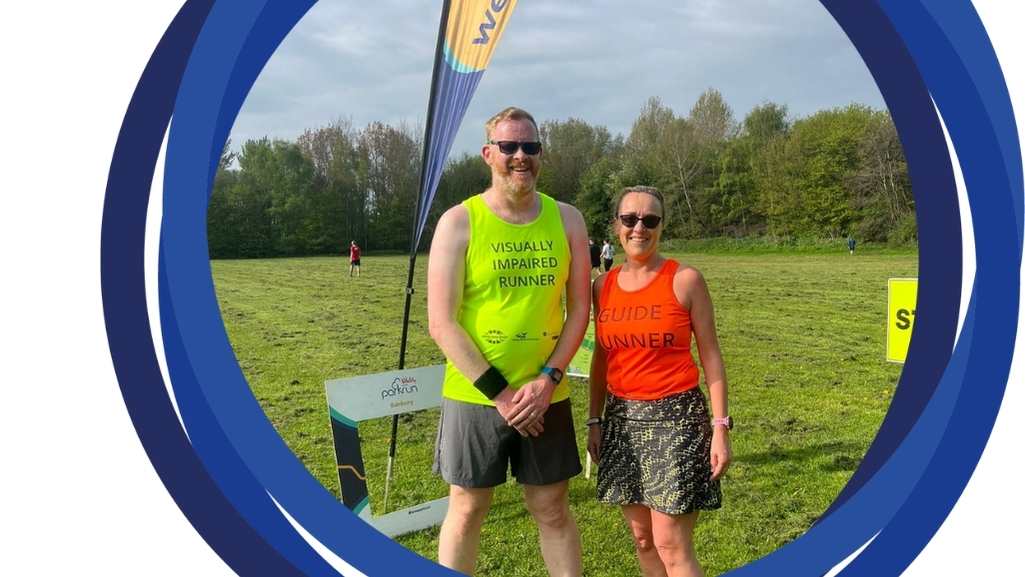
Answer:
(494, 336)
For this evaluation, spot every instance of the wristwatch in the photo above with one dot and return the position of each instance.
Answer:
(554, 373)
(724, 421)
(594, 421)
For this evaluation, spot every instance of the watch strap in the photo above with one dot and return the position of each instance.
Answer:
(555, 373)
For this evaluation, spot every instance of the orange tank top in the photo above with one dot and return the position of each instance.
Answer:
(646, 338)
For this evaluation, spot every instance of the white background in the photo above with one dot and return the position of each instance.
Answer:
(79, 494)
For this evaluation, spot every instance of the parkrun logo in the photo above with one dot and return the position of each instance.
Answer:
(400, 386)
(496, 7)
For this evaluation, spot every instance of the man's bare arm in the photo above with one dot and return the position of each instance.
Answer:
(446, 270)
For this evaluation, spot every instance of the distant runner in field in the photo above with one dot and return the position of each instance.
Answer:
(659, 454)
(607, 253)
(595, 251)
(498, 266)
(353, 258)
(851, 243)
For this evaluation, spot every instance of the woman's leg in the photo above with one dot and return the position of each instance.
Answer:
(638, 517)
(674, 541)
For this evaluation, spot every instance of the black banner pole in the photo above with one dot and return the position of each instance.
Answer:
(413, 233)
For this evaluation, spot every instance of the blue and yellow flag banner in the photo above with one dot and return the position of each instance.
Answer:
(471, 30)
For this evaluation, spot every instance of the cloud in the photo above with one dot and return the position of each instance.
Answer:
(598, 61)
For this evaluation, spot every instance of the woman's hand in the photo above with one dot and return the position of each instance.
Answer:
(594, 441)
(721, 453)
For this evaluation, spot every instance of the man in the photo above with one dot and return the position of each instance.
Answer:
(606, 255)
(595, 251)
(353, 258)
(499, 264)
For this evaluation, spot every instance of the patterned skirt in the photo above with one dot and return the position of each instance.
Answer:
(656, 453)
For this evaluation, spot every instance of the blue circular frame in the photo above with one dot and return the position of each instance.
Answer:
(232, 475)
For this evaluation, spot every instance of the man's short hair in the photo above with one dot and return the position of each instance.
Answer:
(511, 113)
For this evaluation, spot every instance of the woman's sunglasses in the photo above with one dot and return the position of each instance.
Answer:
(511, 146)
(649, 221)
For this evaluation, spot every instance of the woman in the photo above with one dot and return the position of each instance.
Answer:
(659, 455)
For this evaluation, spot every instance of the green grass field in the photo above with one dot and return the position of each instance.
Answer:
(803, 341)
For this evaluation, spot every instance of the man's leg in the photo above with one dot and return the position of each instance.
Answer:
(560, 539)
(460, 532)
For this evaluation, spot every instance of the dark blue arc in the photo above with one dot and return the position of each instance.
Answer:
(128, 330)
(939, 226)
(225, 478)
(229, 430)
(230, 29)
(957, 26)
(980, 145)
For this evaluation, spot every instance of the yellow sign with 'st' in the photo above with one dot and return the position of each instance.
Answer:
(902, 294)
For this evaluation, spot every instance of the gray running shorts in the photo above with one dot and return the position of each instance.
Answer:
(475, 447)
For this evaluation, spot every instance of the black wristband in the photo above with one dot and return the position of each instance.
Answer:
(491, 383)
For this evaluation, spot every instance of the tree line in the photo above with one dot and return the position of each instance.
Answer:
(834, 173)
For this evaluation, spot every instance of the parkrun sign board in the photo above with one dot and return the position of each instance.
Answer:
(901, 296)
(580, 365)
(369, 397)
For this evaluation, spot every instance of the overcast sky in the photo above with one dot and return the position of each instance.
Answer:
(594, 60)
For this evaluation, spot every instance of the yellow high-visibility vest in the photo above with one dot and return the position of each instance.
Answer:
(512, 305)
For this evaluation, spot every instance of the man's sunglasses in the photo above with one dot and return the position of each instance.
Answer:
(649, 221)
(511, 146)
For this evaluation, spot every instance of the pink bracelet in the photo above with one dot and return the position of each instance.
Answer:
(724, 421)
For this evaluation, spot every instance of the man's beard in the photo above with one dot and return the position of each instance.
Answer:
(512, 186)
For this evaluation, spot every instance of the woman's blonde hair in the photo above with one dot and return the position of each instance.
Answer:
(640, 189)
